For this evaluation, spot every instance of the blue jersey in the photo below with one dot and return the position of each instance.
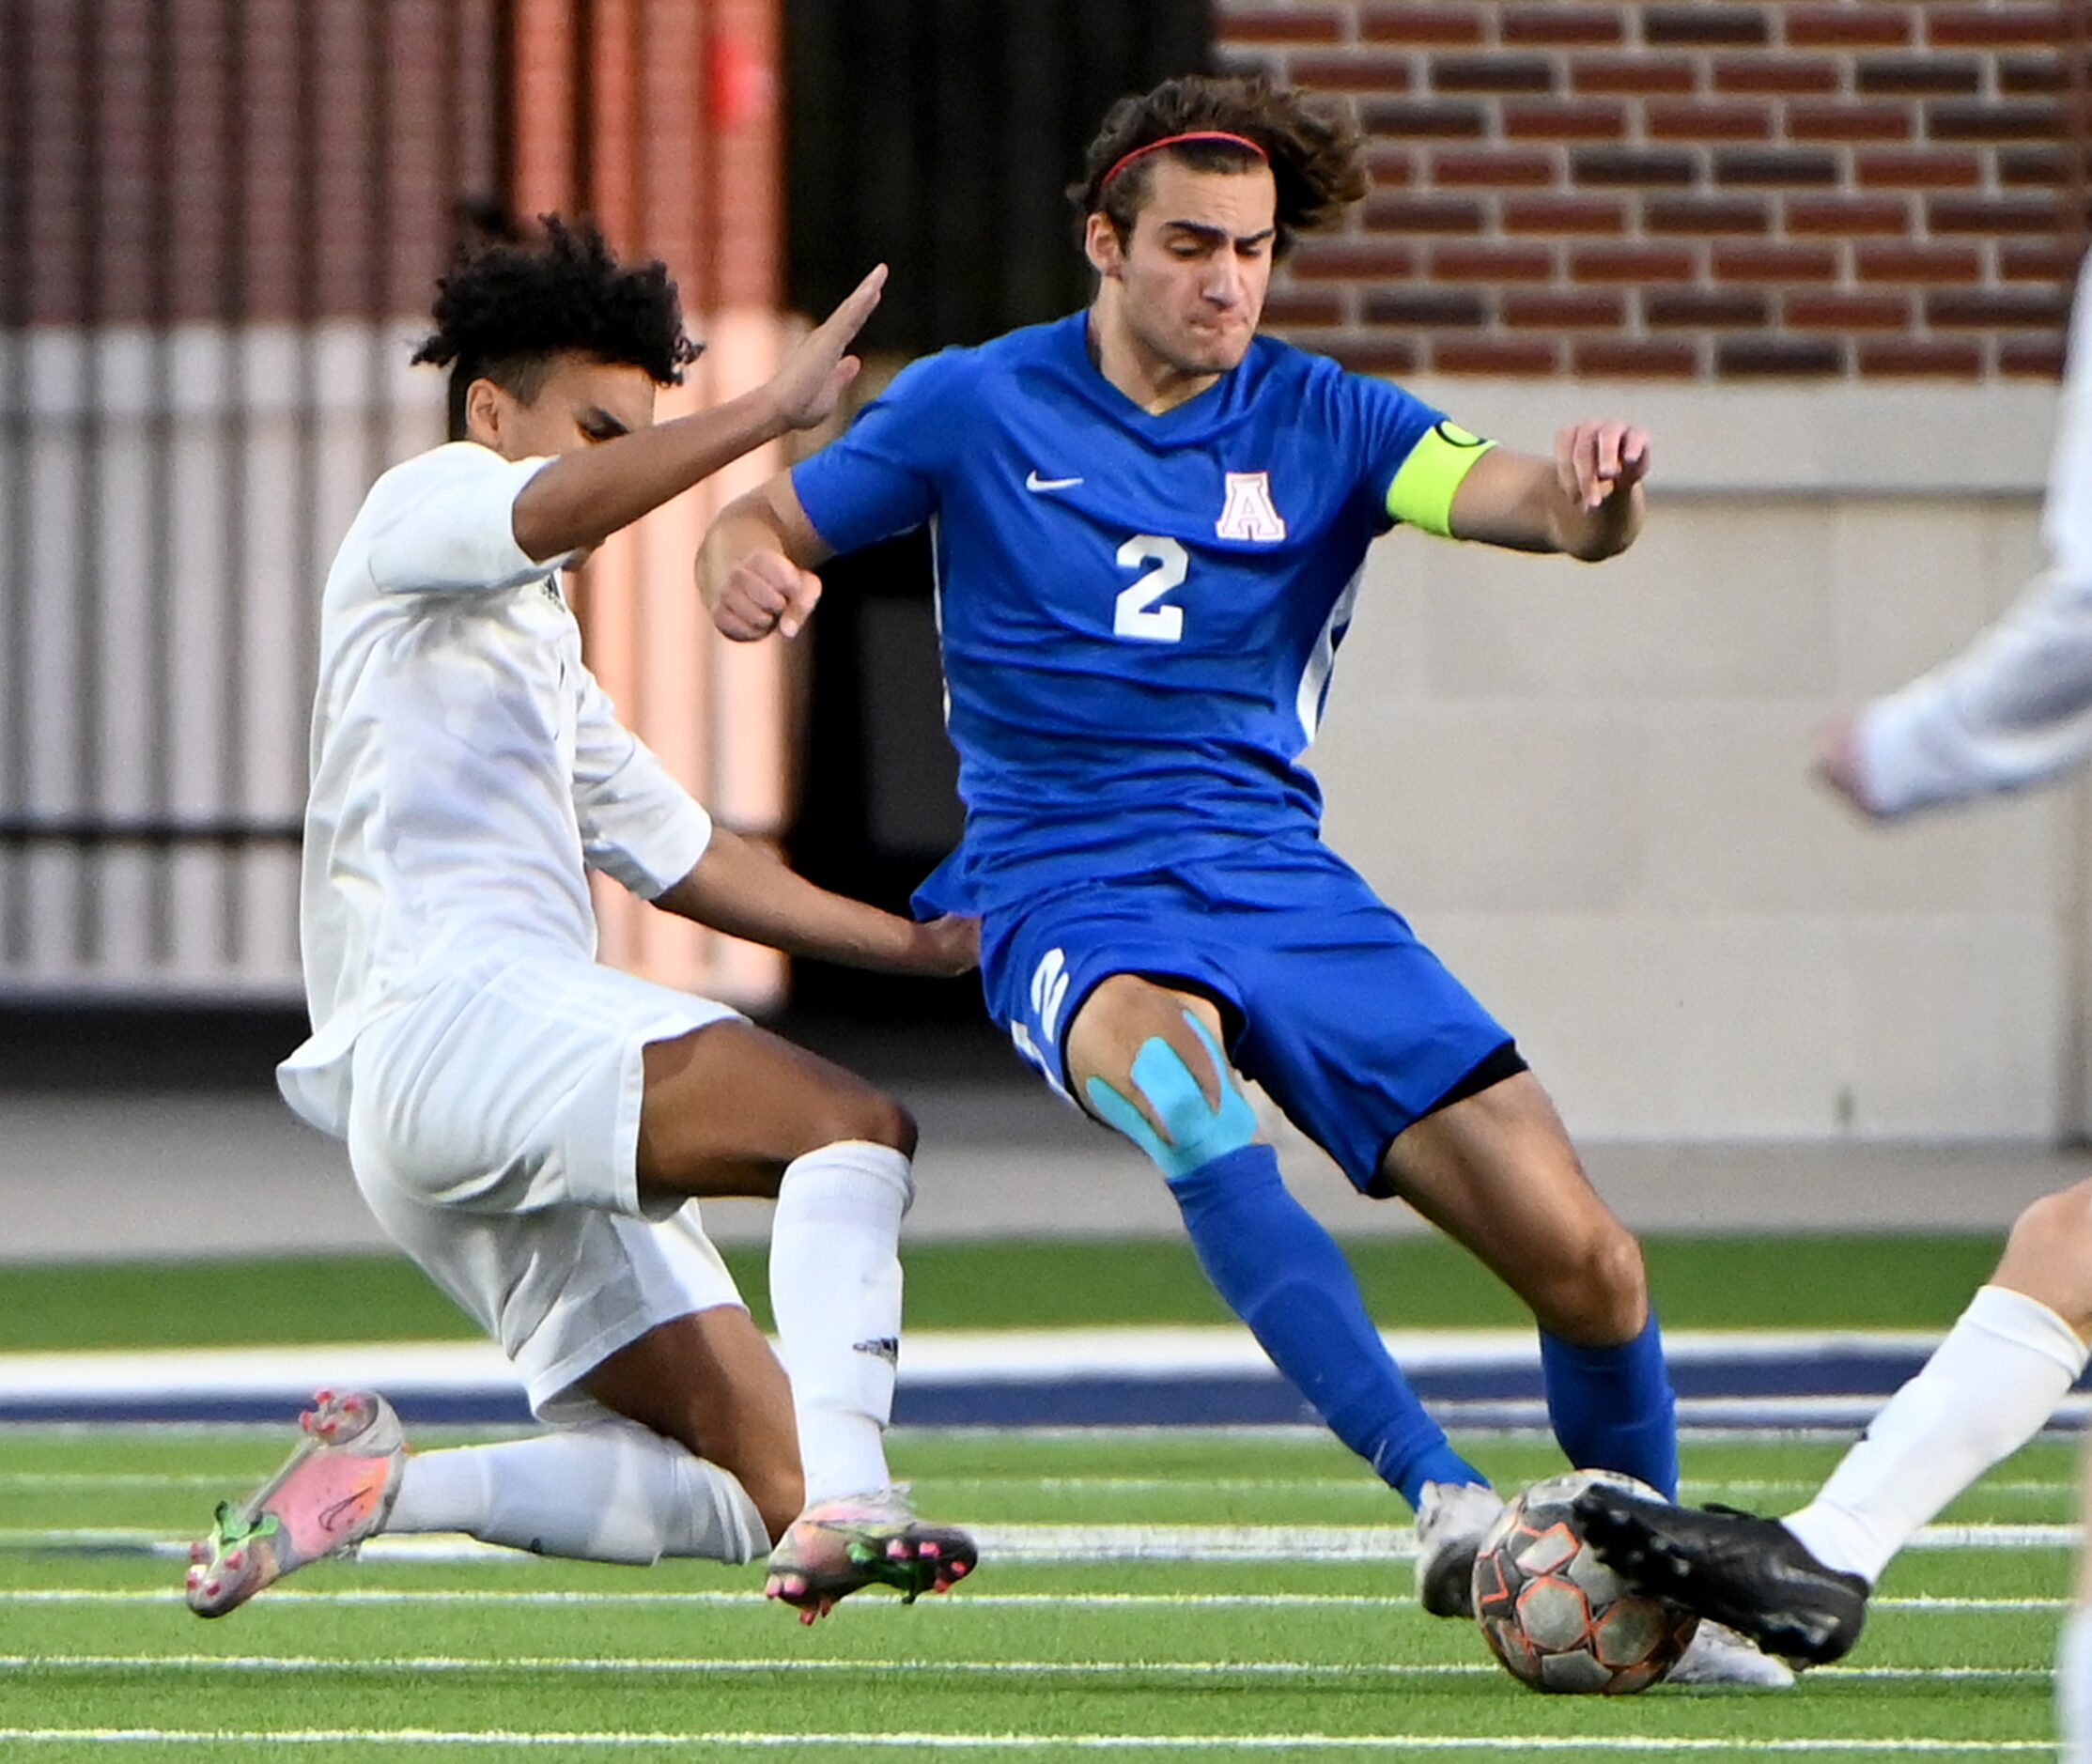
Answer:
(1139, 613)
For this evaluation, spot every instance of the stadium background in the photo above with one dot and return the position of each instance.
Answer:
(1823, 250)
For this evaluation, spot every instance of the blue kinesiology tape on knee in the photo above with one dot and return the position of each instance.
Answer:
(1199, 1131)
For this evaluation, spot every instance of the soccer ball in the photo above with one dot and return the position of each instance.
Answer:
(1556, 1615)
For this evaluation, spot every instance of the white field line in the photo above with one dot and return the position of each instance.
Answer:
(1389, 1743)
(595, 1666)
(1366, 1486)
(1051, 1543)
(292, 1599)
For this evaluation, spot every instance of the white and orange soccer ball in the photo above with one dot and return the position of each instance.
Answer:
(1556, 1616)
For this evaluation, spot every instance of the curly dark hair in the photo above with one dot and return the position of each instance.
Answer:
(510, 306)
(1313, 145)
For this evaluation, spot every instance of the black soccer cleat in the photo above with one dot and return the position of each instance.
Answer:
(1734, 1568)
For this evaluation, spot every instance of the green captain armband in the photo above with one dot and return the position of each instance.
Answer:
(1421, 494)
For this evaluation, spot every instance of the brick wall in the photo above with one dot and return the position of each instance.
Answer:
(1707, 188)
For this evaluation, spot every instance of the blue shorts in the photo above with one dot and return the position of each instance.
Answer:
(1327, 999)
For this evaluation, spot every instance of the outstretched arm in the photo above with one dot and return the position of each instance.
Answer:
(2013, 709)
(1586, 502)
(583, 496)
(739, 889)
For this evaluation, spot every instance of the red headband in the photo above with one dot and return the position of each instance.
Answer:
(1171, 139)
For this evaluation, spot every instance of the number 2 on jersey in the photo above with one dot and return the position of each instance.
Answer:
(1136, 614)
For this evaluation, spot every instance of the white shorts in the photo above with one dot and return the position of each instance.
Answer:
(493, 1127)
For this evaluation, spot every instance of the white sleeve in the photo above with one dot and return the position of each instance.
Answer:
(446, 523)
(639, 826)
(2013, 709)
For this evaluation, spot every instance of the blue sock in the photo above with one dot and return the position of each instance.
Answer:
(1612, 1408)
(1284, 1276)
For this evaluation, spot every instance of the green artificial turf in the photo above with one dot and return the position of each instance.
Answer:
(1028, 1661)
(1708, 1282)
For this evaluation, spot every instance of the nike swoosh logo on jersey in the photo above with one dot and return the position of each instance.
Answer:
(1034, 481)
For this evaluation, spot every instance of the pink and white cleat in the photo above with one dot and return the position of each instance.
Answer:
(335, 1491)
(837, 1547)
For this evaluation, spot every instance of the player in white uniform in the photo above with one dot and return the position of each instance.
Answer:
(530, 1126)
(2014, 709)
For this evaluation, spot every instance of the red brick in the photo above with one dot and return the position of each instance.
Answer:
(1405, 24)
(1774, 74)
(1847, 216)
(1494, 166)
(1991, 27)
(1291, 307)
(1985, 215)
(1402, 213)
(1701, 24)
(1676, 120)
(1351, 71)
(1492, 73)
(1275, 25)
(1995, 309)
(1361, 352)
(1632, 263)
(1536, 120)
(1780, 167)
(1564, 214)
(1849, 122)
(1352, 259)
(1706, 308)
(1634, 167)
(1846, 26)
(1564, 311)
(1584, 23)
(2038, 259)
(1904, 76)
(1492, 263)
(1846, 312)
(1632, 75)
(1476, 355)
(1269, 24)
(2041, 358)
(1784, 357)
(1890, 357)
(1906, 262)
(1775, 263)
(1668, 358)
(2019, 167)
(1974, 121)
(2024, 76)
(1425, 118)
(1419, 307)
(1705, 214)
(1391, 166)
(1374, 355)
(1916, 168)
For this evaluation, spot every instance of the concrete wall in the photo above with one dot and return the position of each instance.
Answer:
(1588, 787)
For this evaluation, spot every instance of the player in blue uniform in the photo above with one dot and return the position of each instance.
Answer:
(1150, 525)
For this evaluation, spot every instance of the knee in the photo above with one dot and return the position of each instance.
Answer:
(2049, 1254)
(1596, 1290)
(867, 1114)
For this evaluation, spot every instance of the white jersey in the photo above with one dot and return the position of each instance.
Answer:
(2015, 707)
(467, 770)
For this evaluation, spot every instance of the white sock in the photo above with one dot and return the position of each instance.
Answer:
(2073, 1687)
(613, 1491)
(1986, 1391)
(835, 1289)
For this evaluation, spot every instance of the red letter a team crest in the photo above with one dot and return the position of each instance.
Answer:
(1249, 514)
